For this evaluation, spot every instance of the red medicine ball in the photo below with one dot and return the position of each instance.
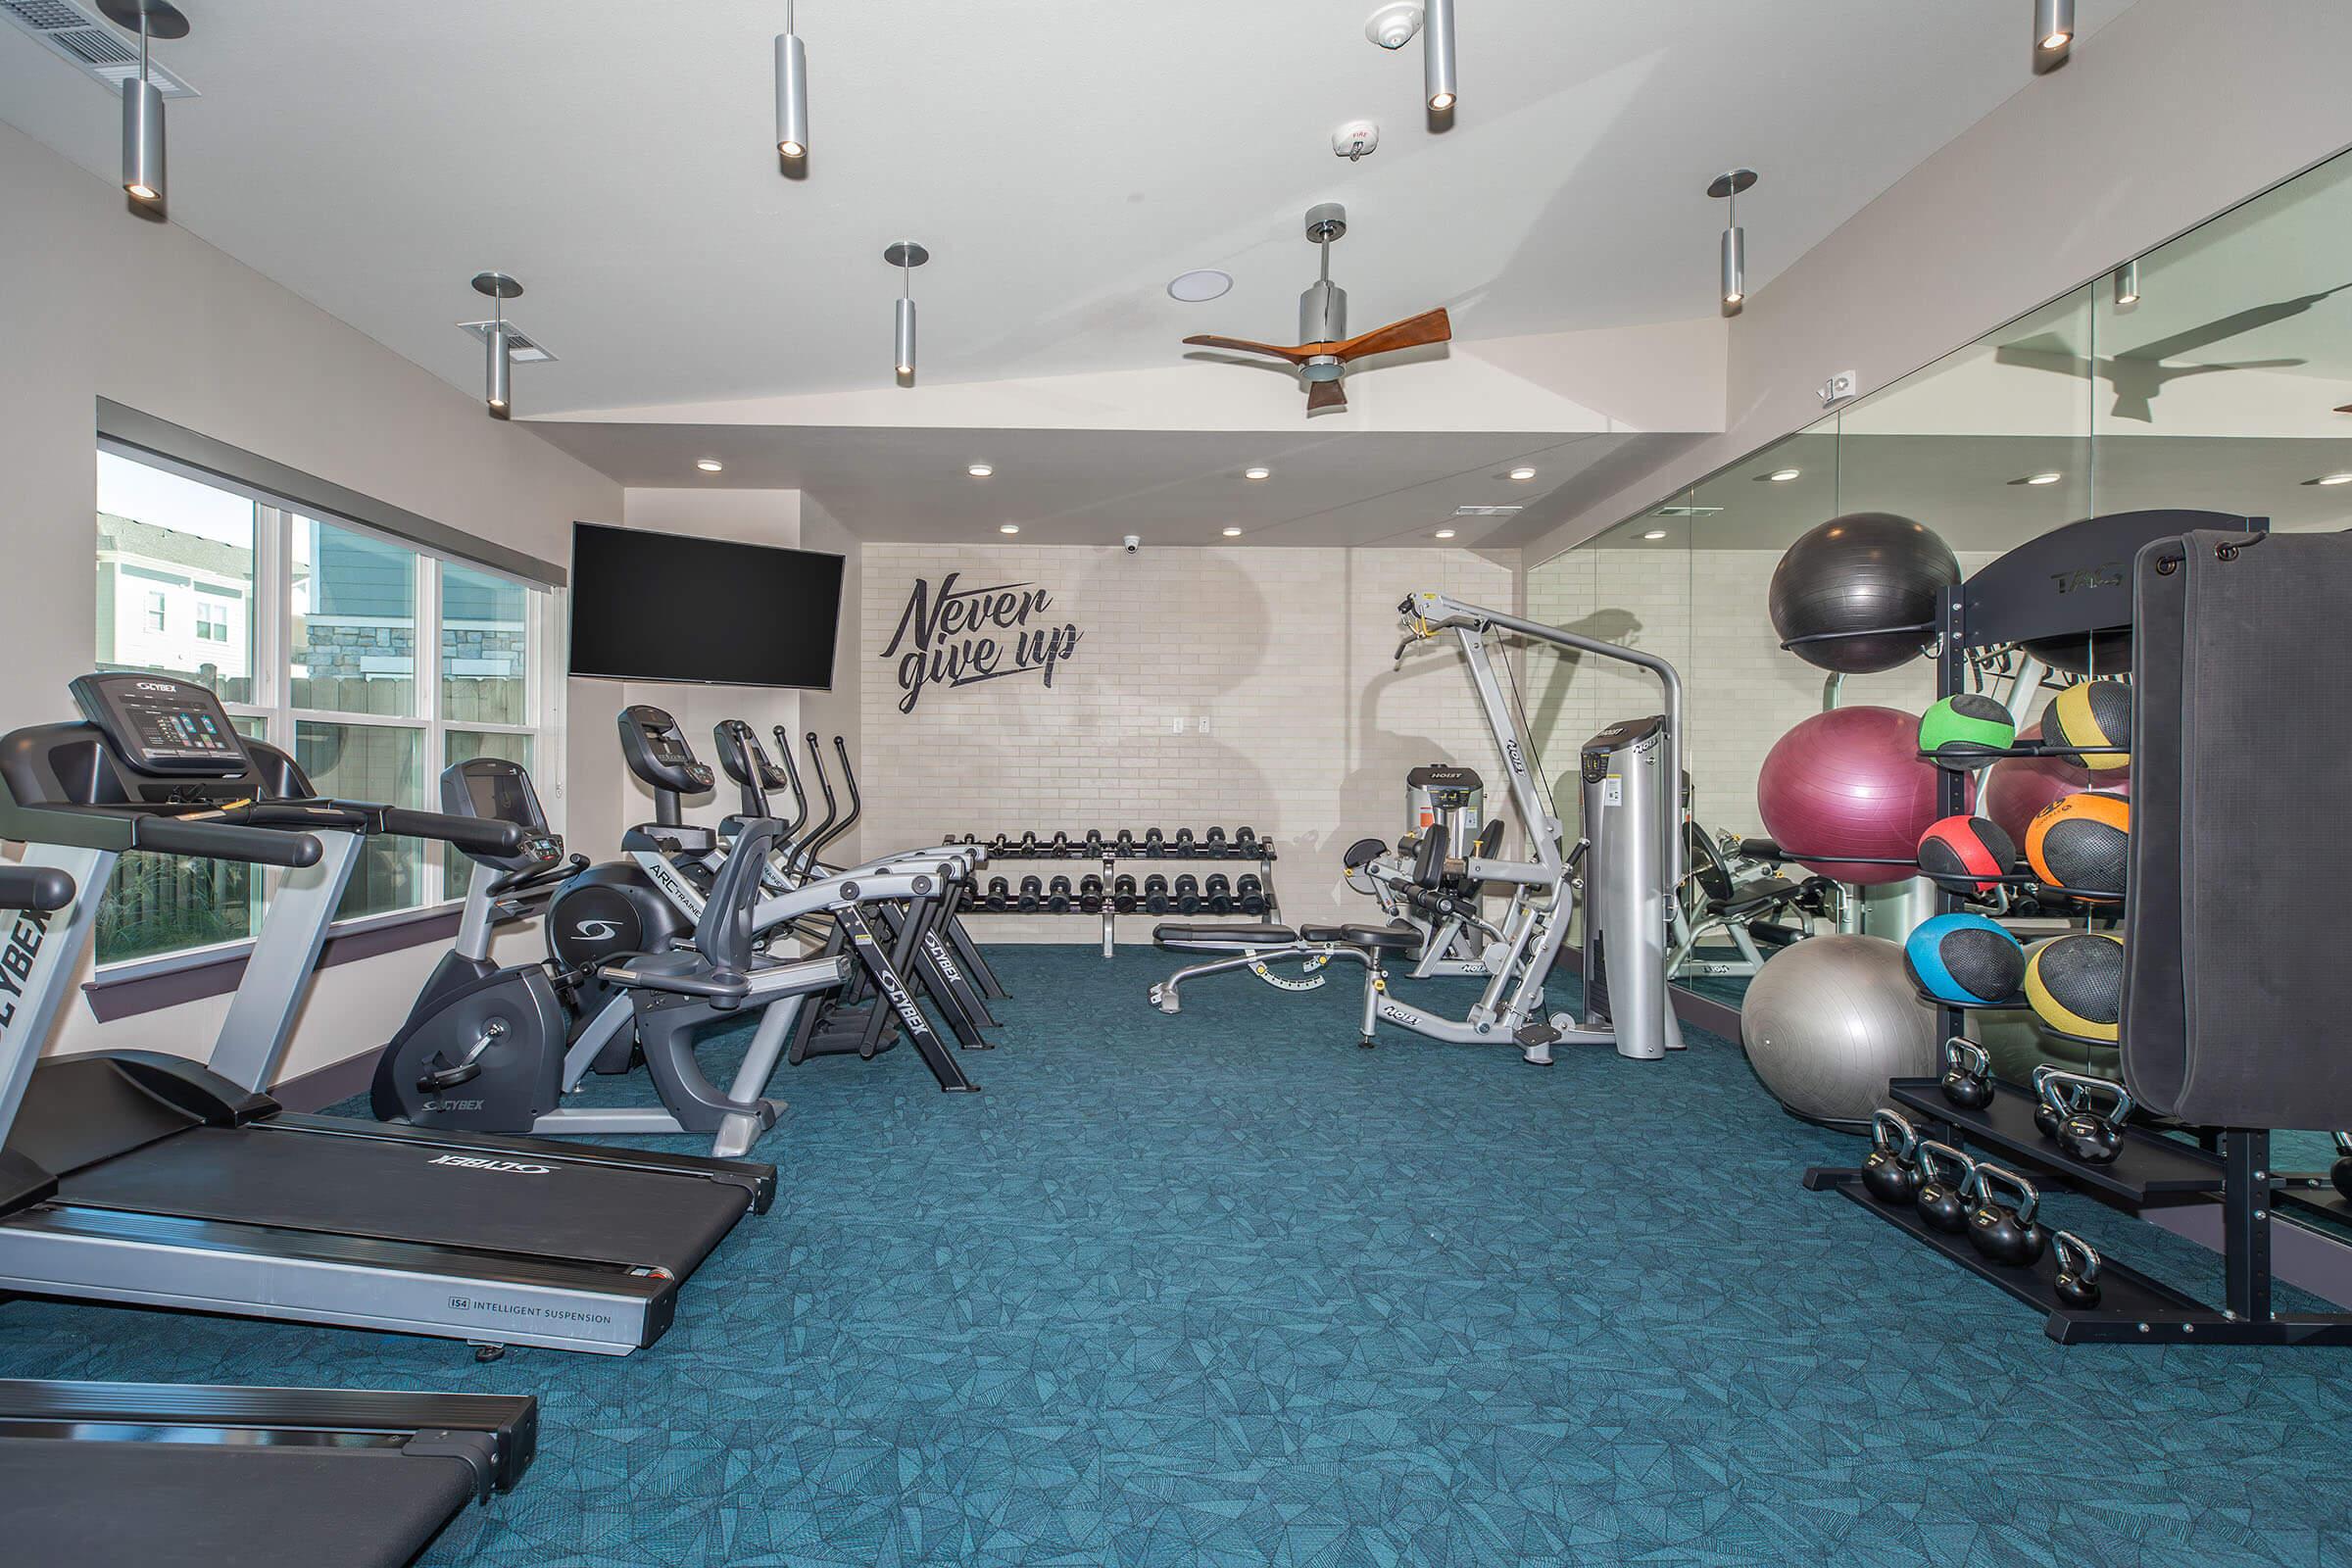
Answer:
(1959, 854)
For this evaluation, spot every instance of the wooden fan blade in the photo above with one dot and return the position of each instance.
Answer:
(1430, 326)
(1242, 345)
(1321, 395)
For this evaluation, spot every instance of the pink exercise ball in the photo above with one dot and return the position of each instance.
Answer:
(2017, 788)
(1850, 782)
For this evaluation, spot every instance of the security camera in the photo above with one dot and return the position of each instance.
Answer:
(1134, 542)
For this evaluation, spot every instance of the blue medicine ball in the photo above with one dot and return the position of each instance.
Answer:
(1965, 959)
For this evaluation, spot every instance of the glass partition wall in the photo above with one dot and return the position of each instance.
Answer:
(2213, 372)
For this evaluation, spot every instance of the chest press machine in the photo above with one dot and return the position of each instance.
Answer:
(1630, 860)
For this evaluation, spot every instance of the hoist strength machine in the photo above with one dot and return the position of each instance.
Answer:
(1631, 860)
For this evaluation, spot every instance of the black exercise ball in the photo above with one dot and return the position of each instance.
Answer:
(2104, 653)
(1858, 595)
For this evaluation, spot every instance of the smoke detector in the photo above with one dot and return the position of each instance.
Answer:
(1393, 27)
(1355, 140)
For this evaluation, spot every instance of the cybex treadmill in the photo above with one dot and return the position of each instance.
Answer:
(150, 1473)
(137, 1177)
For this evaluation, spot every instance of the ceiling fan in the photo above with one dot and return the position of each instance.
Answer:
(1326, 352)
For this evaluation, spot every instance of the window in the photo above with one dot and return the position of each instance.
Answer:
(375, 664)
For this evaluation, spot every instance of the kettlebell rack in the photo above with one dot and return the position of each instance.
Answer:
(2215, 1185)
(1110, 850)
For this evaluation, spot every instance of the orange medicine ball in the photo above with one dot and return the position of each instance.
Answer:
(2083, 844)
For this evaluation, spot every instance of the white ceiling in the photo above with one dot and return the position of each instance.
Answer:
(1065, 487)
(1062, 158)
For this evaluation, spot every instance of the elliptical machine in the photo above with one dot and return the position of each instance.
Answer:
(484, 1047)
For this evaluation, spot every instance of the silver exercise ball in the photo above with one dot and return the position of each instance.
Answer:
(1829, 1020)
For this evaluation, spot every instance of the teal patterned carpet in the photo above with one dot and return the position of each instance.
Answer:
(1222, 1289)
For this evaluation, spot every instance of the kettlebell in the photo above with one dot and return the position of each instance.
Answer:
(1942, 1200)
(2077, 1269)
(1966, 1074)
(2058, 1094)
(2095, 1136)
(1887, 1172)
(2340, 1173)
(2005, 1235)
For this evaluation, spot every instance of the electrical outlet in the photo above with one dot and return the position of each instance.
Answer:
(1838, 388)
(1176, 726)
(1203, 723)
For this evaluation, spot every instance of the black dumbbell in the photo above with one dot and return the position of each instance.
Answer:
(1153, 845)
(1033, 894)
(1219, 891)
(999, 845)
(1090, 893)
(1058, 893)
(999, 895)
(1093, 843)
(1182, 846)
(1156, 893)
(1029, 843)
(1188, 893)
(1250, 892)
(1244, 841)
(1060, 847)
(1123, 895)
(1212, 844)
(1125, 844)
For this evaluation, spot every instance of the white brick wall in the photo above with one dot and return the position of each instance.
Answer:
(1703, 609)
(1285, 653)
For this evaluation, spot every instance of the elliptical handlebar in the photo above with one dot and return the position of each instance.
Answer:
(849, 781)
(803, 859)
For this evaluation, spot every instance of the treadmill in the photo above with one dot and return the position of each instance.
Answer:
(127, 1472)
(148, 1179)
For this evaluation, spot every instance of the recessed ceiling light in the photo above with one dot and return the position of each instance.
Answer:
(1008, 527)
(1258, 473)
(1233, 533)
(2043, 478)
(1523, 475)
(980, 471)
(1655, 533)
(709, 464)
(1782, 475)
(1444, 533)
(1194, 287)
(2334, 479)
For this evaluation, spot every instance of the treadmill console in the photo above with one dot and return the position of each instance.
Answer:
(495, 788)
(161, 726)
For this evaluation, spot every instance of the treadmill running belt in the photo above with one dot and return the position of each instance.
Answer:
(72, 1505)
(405, 1191)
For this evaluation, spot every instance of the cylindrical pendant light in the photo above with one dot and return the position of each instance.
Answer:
(905, 256)
(2127, 284)
(1727, 188)
(2053, 32)
(142, 99)
(1437, 55)
(792, 91)
(498, 359)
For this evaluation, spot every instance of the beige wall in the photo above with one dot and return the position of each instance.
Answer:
(2170, 113)
(99, 304)
(1284, 655)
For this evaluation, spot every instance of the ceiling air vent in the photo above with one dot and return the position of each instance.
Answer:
(1687, 509)
(95, 49)
(519, 347)
(1485, 512)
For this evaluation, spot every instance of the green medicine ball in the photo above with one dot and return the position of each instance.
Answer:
(1966, 731)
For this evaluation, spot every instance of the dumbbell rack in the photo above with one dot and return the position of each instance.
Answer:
(2215, 1185)
(1262, 854)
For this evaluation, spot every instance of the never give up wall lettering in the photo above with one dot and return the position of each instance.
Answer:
(963, 636)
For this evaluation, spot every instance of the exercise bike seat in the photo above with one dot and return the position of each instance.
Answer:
(1754, 898)
(1373, 938)
(1183, 938)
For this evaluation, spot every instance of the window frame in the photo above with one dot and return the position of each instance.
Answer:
(270, 608)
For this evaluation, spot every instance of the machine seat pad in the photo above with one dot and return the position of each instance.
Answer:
(1183, 938)
(1377, 938)
(1754, 898)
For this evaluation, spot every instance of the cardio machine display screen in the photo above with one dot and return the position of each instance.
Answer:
(161, 725)
(504, 795)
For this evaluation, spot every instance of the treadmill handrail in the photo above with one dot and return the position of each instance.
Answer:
(34, 887)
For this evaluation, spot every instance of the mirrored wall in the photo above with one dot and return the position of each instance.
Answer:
(2210, 374)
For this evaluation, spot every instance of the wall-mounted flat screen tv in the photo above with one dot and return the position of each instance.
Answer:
(664, 607)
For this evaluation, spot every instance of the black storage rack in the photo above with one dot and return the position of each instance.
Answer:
(1261, 853)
